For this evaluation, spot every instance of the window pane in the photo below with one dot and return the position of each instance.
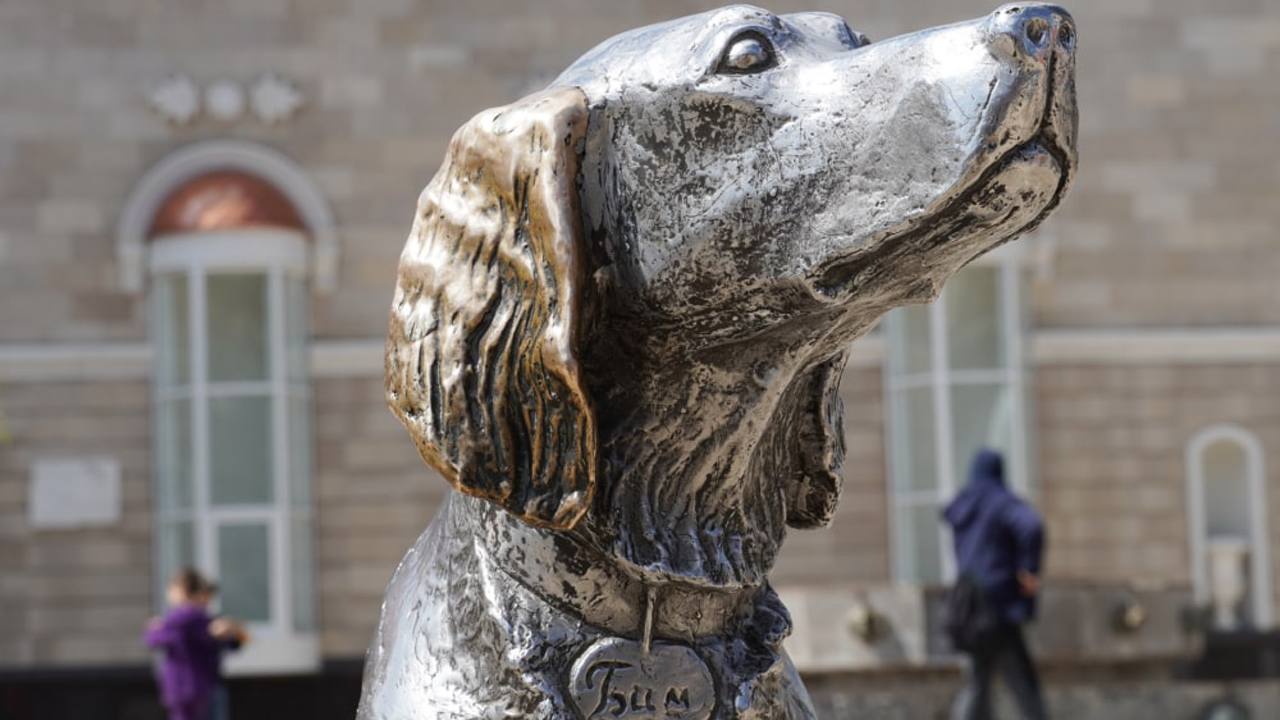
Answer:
(909, 335)
(919, 542)
(240, 460)
(237, 317)
(916, 444)
(173, 448)
(177, 550)
(1226, 490)
(299, 451)
(244, 573)
(974, 337)
(173, 339)
(295, 320)
(983, 417)
(301, 569)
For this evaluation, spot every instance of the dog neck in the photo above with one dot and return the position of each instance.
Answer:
(589, 585)
(690, 484)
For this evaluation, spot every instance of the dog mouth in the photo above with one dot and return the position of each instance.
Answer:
(1010, 197)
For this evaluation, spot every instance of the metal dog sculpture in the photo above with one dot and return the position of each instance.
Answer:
(620, 322)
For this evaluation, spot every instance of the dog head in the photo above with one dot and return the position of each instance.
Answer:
(731, 179)
(740, 159)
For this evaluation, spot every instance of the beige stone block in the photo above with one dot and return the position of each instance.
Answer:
(351, 90)
(1162, 206)
(346, 643)
(378, 549)
(118, 647)
(381, 454)
(63, 619)
(72, 551)
(123, 585)
(57, 217)
(251, 8)
(16, 651)
(1187, 176)
(1157, 90)
(351, 517)
(369, 577)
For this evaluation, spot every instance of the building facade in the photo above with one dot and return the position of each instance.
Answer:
(201, 210)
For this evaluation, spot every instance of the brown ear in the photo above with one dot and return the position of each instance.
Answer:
(816, 456)
(482, 355)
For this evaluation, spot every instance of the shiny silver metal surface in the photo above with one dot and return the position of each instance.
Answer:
(619, 326)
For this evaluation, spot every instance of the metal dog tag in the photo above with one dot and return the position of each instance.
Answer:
(615, 678)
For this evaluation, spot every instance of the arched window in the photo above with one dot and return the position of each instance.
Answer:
(228, 256)
(1226, 501)
(954, 384)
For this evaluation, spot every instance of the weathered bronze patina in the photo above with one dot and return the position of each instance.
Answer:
(620, 322)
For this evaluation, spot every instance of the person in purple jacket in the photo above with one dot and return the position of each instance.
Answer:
(999, 542)
(192, 643)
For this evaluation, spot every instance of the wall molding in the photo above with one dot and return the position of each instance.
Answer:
(362, 357)
(70, 362)
(1183, 346)
(54, 362)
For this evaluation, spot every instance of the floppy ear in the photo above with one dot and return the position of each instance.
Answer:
(482, 355)
(815, 459)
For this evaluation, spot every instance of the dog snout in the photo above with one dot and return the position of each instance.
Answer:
(1032, 31)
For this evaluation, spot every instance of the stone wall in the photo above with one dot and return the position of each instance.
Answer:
(854, 548)
(75, 596)
(1112, 444)
(1172, 218)
(1169, 223)
(374, 497)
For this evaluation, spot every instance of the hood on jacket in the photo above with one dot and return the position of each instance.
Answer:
(986, 479)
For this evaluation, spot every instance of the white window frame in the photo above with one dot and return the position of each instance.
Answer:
(276, 647)
(941, 378)
(1259, 538)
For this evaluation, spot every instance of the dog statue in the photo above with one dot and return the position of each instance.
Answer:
(619, 325)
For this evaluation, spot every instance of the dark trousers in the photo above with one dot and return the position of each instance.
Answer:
(1007, 655)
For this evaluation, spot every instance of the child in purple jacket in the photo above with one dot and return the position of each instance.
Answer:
(192, 642)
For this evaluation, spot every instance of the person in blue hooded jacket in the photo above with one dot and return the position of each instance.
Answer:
(999, 541)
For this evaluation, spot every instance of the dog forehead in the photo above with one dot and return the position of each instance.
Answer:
(824, 29)
(672, 49)
(682, 50)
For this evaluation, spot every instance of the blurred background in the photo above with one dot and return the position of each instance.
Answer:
(201, 209)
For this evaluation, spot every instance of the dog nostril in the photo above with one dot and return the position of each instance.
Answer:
(1036, 29)
(1066, 35)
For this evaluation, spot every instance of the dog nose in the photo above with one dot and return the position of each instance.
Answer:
(1033, 31)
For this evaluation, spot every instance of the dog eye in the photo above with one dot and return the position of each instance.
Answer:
(748, 53)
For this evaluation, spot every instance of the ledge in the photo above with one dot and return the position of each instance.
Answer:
(362, 357)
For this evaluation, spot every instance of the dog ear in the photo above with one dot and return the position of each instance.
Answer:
(482, 360)
(816, 456)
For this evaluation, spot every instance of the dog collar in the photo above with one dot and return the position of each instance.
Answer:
(561, 570)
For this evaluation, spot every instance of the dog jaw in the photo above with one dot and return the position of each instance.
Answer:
(1020, 161)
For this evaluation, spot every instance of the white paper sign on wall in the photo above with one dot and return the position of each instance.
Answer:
(74, 492)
